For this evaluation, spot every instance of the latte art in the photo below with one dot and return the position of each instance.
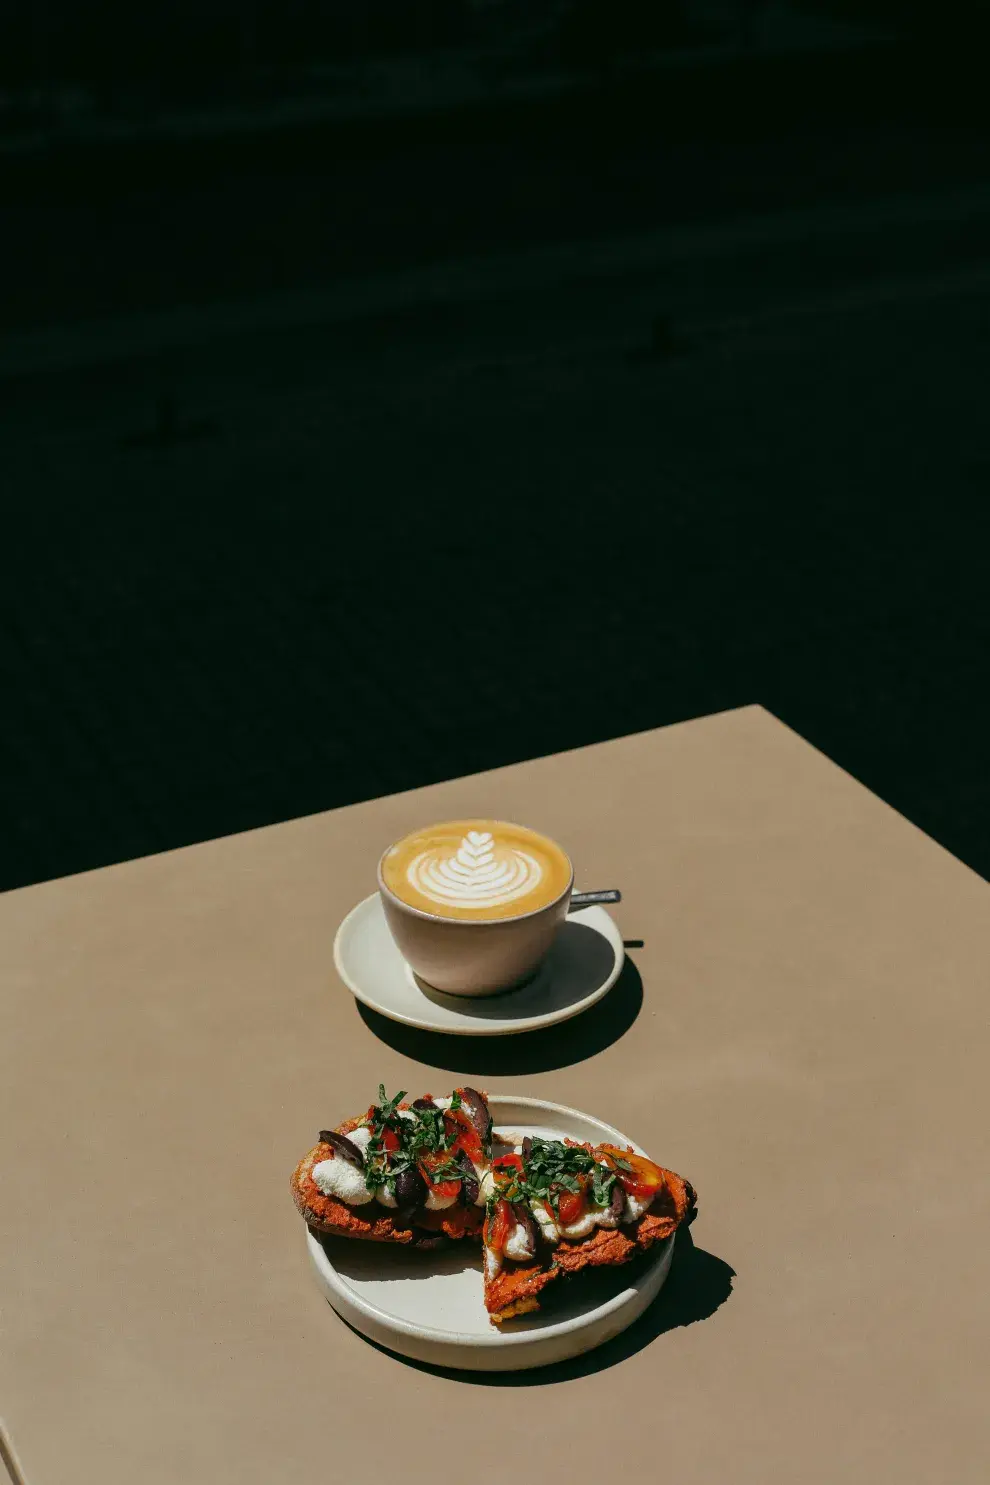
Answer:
(476, 869)
(481, 874)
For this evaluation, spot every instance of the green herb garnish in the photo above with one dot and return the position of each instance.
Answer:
(419, 1135)
(449, 1171)
(554, 1167)
(374, 1176)
(387, 1111)
(428, 1132)
(602, 1182)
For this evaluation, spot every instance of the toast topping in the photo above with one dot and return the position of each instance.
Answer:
(341, 1177)
(423, 1175)
(568, 1189)
(428, 1157)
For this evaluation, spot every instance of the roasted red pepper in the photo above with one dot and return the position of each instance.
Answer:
(498, 1226)
(428, 1163)
(642, 1178)
(570, 1204)
(468, 1138)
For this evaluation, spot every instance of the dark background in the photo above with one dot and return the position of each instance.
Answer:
(391, 390)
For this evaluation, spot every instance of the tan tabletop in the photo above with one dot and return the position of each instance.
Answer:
(811, 1050)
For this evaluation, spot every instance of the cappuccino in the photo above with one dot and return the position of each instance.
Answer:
(476, 869)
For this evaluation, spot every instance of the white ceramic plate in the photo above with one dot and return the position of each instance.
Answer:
(430, 1306)
(583, 965)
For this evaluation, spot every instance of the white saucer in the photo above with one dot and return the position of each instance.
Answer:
(583, 965)
(430, 1306)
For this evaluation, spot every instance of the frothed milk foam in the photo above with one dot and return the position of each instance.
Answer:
(476, 869)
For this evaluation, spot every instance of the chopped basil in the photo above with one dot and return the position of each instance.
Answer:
(602, 1181)
(374, 1173)
(421, 1135)
(554, 1167)
(387, 1111)
(427, 1133)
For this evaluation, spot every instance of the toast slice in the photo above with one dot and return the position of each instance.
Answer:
(423, 1174)
(401, 1173)
(555, 1207)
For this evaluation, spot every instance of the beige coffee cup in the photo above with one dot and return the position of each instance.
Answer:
(474, 905)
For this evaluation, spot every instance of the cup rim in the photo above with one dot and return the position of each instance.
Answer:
(407, 907)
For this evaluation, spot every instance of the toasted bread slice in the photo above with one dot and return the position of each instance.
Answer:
(549, 1210)
(513, 1286)
(327, 1212)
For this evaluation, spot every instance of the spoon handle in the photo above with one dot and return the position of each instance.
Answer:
(585, 899)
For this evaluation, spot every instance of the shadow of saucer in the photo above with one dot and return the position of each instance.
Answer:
(528, 1051)
(698, 1284)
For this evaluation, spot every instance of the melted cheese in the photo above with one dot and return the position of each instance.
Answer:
(636, 1206)
(339, 1178)
(546, 1221)
(589, 1219)
(583, 1225)
(519, 1245)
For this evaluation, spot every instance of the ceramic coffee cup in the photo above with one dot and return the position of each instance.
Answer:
(474, 905)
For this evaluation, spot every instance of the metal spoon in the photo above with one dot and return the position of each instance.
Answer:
(585, 899)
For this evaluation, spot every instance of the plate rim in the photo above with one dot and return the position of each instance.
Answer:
(508, 1027)
(497, 1340)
